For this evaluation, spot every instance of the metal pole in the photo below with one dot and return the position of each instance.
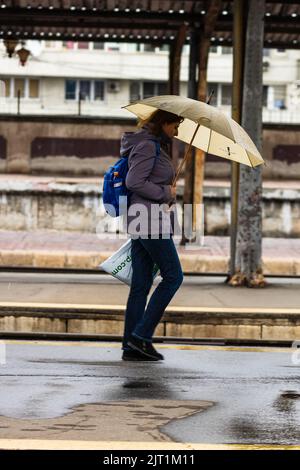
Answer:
(192, 83)
(237, 88)
(79, 104)
(18, 101)
(188, 192)
(192, 91)
(171, 69)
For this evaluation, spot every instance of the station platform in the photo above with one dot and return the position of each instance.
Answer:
(77, 250)
(203, 308)
(81, 395)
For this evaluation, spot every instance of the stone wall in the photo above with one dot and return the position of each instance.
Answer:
(77, 206)
(86, 146)
(26, 142)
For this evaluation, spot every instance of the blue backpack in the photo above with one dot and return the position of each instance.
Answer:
(114, 186)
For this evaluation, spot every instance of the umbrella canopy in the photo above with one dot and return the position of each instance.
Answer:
(204, 126)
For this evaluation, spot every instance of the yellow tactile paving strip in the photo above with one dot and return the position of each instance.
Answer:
(87, 307)
(35, 444)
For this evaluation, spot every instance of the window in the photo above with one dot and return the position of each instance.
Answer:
(28, 88)
(279, 96)
(148, 89)
(149, 47)
(83, 45)
(50, 44)
(142, 90)
(162, 88)
(226, 50)
(19, 87)
(99, 45)
(226, 95)
(85, 89)
(213, 49)
(33, 88)
(5, 82)
(135, 91)
(165, 47)
(112, 46)
(70, 89)
(154, 88)
(69, 44)
(99, 90)
(265, 96)
(77, 45)
(132, 47)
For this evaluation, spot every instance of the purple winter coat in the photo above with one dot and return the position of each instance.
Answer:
(149, 186)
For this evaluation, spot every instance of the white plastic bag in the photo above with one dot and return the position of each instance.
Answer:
(119, 264)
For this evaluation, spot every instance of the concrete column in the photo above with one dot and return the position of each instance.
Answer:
(18, 147)
(237, 89)
(174, 72)
(249, 237)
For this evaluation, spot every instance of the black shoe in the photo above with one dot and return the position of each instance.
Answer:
(145, 348)
(136, 356)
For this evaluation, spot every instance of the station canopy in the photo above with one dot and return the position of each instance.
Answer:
(139, 21)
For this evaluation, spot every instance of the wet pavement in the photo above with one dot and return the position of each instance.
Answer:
(199, 394)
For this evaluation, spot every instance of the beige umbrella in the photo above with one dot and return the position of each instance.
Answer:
(204, 127)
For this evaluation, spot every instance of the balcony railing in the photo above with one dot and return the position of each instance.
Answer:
(106, 109)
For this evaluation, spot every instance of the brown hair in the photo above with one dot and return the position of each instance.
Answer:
(158, 118)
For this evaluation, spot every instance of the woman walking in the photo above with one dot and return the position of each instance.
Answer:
(149, 179)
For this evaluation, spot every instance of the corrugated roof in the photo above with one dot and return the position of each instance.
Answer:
(152, 21)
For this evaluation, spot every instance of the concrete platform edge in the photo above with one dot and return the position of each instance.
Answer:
(191, 263)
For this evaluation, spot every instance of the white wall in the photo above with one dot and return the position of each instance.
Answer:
(53, 64)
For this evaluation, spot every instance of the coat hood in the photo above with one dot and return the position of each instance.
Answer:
(130, 139)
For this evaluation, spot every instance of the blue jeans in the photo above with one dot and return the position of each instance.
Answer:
(144, 252)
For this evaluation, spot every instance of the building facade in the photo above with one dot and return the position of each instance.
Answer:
(97, 79)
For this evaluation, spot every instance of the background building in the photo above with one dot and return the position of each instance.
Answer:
(65, 105)
(97, 79)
